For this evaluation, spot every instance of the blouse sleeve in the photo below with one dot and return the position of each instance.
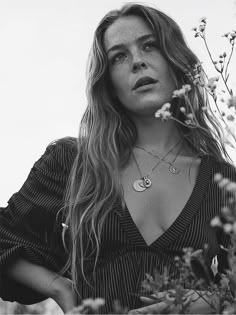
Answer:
(30, 226)
(229, 172)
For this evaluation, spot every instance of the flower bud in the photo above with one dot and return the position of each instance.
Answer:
(224, 182)
(202, 27)
(190, 116)
(202, 20)
(231, 187)
(216, 222)
(234, 228)
(230, 118)
(225, 35)
(227, 227)
(218, 177)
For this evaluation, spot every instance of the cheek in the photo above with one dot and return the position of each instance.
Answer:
(119, 81)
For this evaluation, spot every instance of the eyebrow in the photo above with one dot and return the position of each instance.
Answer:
(122, 46)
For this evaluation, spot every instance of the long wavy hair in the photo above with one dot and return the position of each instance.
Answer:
(107, 135)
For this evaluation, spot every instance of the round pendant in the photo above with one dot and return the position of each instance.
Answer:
(173, 170)
(138, 185)
(147, 182)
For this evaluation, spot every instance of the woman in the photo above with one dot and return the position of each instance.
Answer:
(125, 198)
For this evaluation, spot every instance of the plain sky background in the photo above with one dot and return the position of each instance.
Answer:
(43, 55)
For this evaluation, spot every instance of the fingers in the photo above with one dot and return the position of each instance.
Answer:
(162, 302)
(154, 298)
(150, 309)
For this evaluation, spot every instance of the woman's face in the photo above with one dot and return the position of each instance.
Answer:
(139, 74)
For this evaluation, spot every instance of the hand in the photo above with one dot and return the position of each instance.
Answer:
(164, 305)
(63, 294)
(196, 301)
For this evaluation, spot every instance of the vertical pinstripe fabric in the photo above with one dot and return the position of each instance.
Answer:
(28, 228)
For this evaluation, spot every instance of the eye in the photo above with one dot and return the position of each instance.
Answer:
(150, 45)
(118, 57)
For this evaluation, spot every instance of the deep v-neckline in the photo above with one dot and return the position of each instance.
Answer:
(183, 219)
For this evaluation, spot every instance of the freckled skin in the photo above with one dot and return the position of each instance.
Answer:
(134, 60)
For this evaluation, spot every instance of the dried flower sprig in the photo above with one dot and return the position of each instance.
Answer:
(221, 65)
(181, 294)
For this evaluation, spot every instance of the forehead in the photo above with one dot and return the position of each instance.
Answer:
(125, 30)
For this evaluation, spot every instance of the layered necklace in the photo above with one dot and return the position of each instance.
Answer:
(145, 182)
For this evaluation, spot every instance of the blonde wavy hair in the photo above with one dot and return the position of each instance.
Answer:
(107, 135)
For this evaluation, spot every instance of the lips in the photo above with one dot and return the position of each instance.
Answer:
(143, 81)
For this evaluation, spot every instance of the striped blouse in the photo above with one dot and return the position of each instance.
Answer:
(29, 228)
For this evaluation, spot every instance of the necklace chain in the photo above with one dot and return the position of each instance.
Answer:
(161, 159)
(145, 182)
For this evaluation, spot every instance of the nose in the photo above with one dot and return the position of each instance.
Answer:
(139, 64)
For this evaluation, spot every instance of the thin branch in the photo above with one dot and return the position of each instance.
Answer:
(230, 56)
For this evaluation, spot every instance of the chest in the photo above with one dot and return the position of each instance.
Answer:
(156, 208)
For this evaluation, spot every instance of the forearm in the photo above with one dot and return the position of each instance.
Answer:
(44, 281)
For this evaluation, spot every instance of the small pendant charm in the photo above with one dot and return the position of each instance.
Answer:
(147, 182)
(173, 169)
(138, 185)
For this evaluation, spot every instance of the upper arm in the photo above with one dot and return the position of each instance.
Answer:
(30, 226)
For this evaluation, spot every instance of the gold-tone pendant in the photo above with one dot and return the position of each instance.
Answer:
(173, 169)
(138, 185)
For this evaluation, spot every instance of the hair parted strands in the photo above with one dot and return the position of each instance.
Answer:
(107, 135)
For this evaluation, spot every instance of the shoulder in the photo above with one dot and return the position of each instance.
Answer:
(68, 145)
(60, 153)
(226, 169)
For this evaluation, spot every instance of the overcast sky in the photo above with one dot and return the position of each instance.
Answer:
(44, 49)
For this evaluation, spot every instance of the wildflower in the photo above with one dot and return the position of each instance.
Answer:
(225, 211)
(164, 112)
(218, 177)
(190, 116)
(233, 34)
(181, 92)
(214, 265)
(216, 222)
(94, 304)
(232, 102)
(230, 118)
(234, 228)
(203, 20)
(231, 187)
(224, 182)
(226, 34)
(182, 109)
(211, 83)
(188, 122)
(227, 227)
(202, 27)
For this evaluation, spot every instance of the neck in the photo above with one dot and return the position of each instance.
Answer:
(153, 133)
